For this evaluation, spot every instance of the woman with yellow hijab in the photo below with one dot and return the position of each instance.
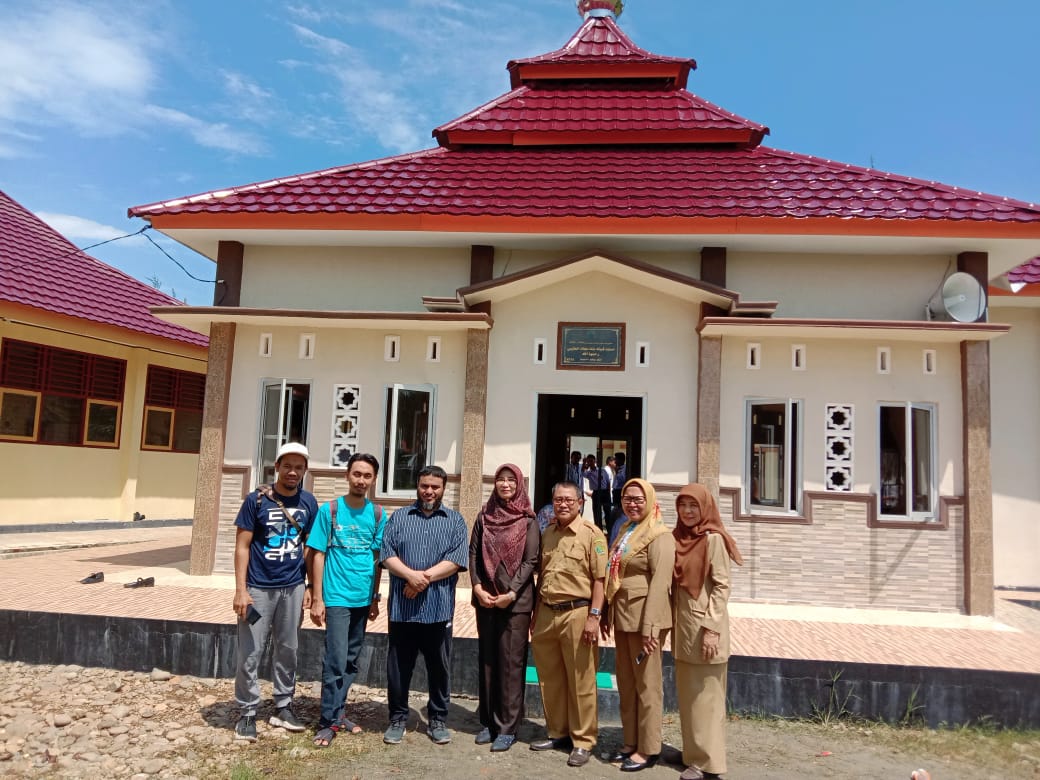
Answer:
(639, 577)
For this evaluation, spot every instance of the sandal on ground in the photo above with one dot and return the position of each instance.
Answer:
(347, 725)
(323, 738)
(142, 582)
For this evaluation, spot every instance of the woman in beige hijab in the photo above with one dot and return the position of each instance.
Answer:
(700, 644)
(639, 575)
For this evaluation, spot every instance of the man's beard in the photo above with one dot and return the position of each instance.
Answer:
(429, 506)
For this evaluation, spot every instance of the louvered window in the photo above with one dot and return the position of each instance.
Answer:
(59, 396)
(173, 410)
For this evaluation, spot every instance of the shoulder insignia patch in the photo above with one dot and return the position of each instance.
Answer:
(601, 547)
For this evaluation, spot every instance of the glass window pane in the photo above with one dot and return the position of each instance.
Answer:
(187, 430)
(892, 436)
(157, 426)
(61, 420)
(767, 454)
(410, 431)
(921, 451)
(17, 414)
(792, 446)
(102, 423)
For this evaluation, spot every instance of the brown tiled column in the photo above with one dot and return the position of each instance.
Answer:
(211, 449)
(709, 397)
(474, 413)
(978, 489)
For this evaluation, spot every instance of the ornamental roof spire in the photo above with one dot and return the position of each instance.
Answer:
(589, 9)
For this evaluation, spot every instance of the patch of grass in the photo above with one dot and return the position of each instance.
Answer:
(835, 707)
(913, 711)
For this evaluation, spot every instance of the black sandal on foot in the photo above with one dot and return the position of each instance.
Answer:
(323, 738)
(347, 725)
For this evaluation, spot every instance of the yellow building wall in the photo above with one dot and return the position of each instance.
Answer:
(57, 483)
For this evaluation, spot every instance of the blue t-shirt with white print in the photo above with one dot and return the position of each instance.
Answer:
(276, 551)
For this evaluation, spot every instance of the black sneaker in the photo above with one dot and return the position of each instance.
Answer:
(439, 732)
(246, 728)
(394, 734)
(286, 719)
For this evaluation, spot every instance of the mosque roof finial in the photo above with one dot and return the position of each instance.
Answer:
(593, 8)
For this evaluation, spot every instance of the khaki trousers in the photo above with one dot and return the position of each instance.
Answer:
(702, 711)
(640, 693)
(566, 675)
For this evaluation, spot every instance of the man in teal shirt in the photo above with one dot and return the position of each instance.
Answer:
(344, 567)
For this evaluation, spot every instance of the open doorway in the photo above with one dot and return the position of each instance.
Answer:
(596, 424)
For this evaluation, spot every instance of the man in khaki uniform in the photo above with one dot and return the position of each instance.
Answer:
(566, 626)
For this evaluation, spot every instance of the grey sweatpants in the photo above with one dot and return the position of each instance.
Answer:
(282, 614)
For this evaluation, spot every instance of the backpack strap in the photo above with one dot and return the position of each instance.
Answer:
(267, 491)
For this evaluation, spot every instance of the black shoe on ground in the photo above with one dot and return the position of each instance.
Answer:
(502, 743)
(285, 718)
(560, 743)
(246, 728)
(579, 757)
(484, 737)
(98, 576)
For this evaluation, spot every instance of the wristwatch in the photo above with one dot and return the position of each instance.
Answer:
(595, 612)
(377, 596)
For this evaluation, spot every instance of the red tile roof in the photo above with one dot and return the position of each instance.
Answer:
(550, 115)
(636, 182)
(599, 129)
(599, 41)
(1027, 273)
(41, 268)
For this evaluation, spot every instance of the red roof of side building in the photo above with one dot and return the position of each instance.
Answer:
(41, 268)
(635, 182)
(1027, 273)
(601, 129)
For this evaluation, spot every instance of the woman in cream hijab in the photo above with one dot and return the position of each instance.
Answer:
(700, 645)
(639, 575)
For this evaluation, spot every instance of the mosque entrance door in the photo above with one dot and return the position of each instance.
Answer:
(598, 424)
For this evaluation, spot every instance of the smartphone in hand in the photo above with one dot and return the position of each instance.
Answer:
(252, 615)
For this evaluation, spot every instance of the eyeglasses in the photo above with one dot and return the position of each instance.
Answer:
(632, 500)
(565, 500)
(510, 479)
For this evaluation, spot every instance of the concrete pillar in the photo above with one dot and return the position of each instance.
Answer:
(211, 448)
(709, 400)
(978, 489)
(473, 416)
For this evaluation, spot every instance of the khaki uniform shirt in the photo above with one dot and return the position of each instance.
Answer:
(710, 610)
(573, 557)
(641, 604)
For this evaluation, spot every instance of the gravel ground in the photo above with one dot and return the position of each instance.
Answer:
(75, 722)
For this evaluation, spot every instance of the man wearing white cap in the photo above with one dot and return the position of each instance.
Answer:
(270, 590)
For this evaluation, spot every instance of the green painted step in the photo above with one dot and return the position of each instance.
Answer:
(604, 680)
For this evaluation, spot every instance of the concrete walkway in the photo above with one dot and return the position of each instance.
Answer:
(41, 571)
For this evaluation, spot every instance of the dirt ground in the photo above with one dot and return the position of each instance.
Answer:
(758, 749)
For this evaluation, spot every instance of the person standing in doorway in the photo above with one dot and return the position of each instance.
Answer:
(424, 549)
(503, 556)
(345, 574)
(270, 591)
(565, 637)
(574, 469)
(599, 487)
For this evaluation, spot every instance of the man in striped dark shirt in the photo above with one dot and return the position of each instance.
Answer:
(425, 546)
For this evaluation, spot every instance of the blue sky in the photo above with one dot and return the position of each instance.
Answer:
(109, 105)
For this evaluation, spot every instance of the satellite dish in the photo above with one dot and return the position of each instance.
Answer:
(959, 298)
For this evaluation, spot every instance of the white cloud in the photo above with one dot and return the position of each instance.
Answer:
(216, 135)
(79, 228)
(66, 64)
(373, 98)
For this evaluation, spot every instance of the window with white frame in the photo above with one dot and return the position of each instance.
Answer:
(906, 460)
(284, 416)
(772, 459)
(408, 436)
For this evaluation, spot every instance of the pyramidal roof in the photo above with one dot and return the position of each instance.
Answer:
(600, 135)
(599, 89)
(41, 268)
